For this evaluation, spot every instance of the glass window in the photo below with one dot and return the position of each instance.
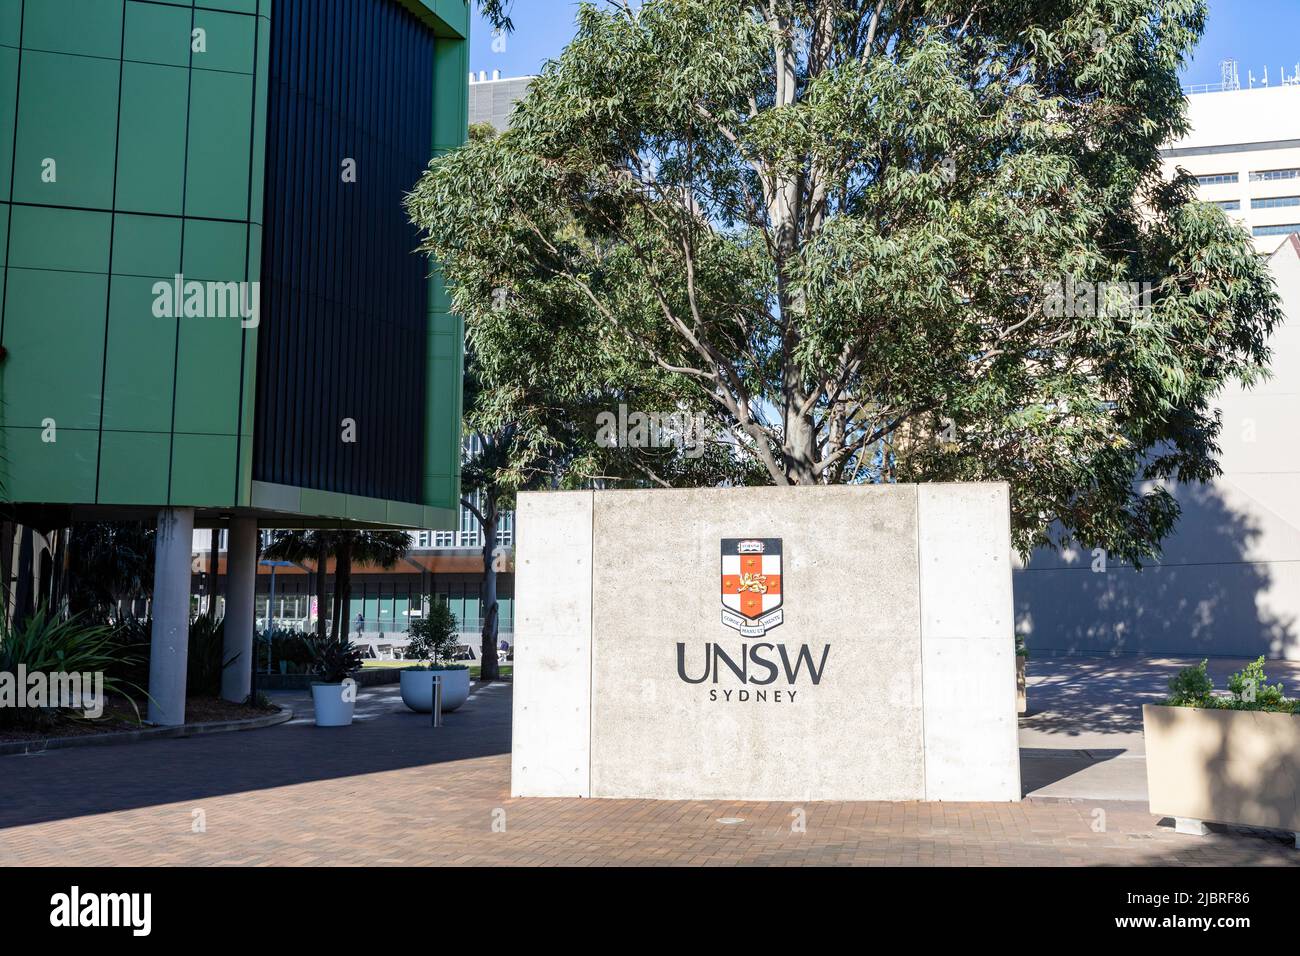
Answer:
(1229, 204)
(1218, 179)
(1277, 230)
(1275, 202)
(1273, 175)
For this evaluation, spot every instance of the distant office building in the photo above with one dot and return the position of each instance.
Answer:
(1228, 582)
(1244, 150)
(492, 99)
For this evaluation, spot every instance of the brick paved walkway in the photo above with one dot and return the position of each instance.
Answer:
(391, 790)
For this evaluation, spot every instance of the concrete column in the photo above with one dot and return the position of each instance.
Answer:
(241, 587)
(169, 647)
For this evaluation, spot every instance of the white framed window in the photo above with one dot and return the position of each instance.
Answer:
(1275, 202)
(1273, 175)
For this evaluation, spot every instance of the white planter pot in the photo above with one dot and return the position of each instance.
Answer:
(332, 710)
(417, 689)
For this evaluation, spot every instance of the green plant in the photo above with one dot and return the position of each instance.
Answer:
(1250, 686)
(285, 645)
(1022, 649)
(332, 662)
(130, 642)
(1193, 687)
(204, 663)
(433, 637)
(46, 644)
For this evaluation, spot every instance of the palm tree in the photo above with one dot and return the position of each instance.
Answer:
(378, 548)
(299, 546)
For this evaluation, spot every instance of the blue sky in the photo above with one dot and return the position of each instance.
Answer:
(1257, 33)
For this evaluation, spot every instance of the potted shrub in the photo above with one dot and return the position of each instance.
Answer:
(434, 643)
(1228, 759)
(1022, 655)
(333, 693)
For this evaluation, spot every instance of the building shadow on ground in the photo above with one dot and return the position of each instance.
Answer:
(62, 784)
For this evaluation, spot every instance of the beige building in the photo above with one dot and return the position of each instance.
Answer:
(1244, 149)
(1229, 580)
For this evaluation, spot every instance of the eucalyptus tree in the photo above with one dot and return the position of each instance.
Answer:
(871, 240)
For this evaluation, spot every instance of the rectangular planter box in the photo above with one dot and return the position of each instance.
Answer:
(1224, 766)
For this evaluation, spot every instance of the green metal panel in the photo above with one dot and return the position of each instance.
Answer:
(446, 334)
(64, 468)
(101, 234)
(11, 18)
(8, 81)
(202, 466)
(146, 246)
(133, 467)
(229, 42)
(68, 240)
(157, 34)
(67, 112)
(446, 18)
(140, 367)
(151, 153)
(98, 27)
(64, 364)
(235, 6)
(216, 177)
(54, 331)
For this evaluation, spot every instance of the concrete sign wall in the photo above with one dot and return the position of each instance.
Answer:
(766, 643)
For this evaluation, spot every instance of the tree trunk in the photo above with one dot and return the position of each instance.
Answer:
(23, 586)
(490, 669)
(343, 588)
(322, 558)
(213, 567)
(7, 529)
(58, 539)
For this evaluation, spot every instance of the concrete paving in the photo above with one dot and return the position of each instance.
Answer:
(1082, 737)
(393, 790)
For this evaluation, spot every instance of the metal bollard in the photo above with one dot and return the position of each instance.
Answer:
(436, 720)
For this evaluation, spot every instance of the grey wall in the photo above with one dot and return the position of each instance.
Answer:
(1229, 580)
(909, 587)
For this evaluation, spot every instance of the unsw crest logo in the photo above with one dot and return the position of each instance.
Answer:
(753, 597)
(751, 585)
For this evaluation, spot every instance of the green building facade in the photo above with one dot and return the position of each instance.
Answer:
(133, 151)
